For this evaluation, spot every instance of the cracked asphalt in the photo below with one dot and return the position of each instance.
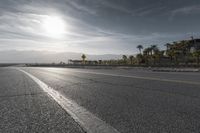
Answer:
(128, 100)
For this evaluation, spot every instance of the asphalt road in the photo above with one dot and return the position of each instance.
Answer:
(134, 100)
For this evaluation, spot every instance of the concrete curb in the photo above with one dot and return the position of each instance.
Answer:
(175, 69)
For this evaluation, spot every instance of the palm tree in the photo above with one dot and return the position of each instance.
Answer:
(156, 55)
(185, 49)
(160, 55)
(131, 57)
(153, 49)
(170, 53)
(83, 58)
(147, 51)
(197, 55)
(124, 58)
(140, 47)
(176, 50)
(139, 58)
(100, 62)
(193, 41)
(168, 45)
(176, 54)
(146, 55)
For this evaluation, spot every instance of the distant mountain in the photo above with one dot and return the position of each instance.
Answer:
(14, 56)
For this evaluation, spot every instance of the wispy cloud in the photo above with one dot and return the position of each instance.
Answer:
(23, 30)
(136, 11)
(81, 8)
(93, 26)
(187, 10)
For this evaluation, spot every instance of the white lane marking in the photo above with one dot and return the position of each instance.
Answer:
(89, 122)
(147, 78)
(136, 77)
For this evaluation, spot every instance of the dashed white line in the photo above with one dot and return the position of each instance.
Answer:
(88, 121)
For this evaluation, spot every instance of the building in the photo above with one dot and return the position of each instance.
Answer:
(80, 62)
(75, 62)
(195, 44)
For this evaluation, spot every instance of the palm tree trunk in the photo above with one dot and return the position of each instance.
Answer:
(171, 59)
(198, 60)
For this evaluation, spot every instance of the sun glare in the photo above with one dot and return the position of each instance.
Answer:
(54, 26)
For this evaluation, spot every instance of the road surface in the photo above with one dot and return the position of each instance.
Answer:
(119, 100)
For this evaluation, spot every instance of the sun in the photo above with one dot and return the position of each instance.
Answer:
(54, 26)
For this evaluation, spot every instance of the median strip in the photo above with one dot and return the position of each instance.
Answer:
(88, 121)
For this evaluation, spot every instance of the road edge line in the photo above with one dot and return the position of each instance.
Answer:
(88, 121)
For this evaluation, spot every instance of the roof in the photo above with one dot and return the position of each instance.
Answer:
(195, 40)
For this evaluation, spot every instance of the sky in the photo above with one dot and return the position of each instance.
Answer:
(96, 26)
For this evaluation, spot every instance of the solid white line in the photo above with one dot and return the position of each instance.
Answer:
(146, 78)
(135, 77)
(88, 121)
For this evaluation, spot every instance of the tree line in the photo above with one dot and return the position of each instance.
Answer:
(176, 53)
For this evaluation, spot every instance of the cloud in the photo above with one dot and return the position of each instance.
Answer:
(93, 26)
(143, 10)
(187, 10)
(81, 8)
